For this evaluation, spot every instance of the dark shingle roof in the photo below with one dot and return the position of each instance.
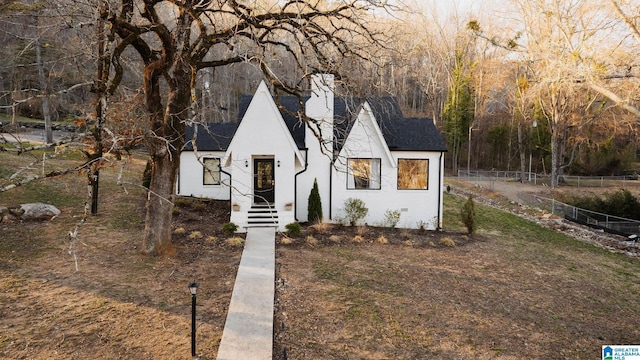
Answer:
(211, 136)
(413, 134)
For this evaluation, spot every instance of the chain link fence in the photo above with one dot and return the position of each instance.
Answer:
(543, 179)
(504, 181)
(609, 223)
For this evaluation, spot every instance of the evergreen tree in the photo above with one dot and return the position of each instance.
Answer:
(314, 206)
(458, 112)
(468, 215)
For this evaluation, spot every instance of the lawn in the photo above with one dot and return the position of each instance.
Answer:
(514, 290)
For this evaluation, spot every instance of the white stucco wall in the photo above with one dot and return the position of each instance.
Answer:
(191, 177)
(418, 207)
(262, 134)
(319, 154)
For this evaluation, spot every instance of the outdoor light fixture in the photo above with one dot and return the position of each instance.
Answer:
(278, 163)
(246, 163)
(193, 288)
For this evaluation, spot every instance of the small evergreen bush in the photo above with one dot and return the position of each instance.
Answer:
(229, 228)
(314, 205)
(468, 215)
(355, 210)
(294, 229)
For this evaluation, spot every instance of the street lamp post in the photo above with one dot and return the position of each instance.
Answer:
(193, 288)
(469, 152)
(534, 125)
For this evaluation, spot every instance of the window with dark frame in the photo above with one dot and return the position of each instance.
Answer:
(363, 174)
(413, 174)
(211, 171)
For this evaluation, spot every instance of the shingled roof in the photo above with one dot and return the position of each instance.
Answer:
(401, 134)
(211, 136)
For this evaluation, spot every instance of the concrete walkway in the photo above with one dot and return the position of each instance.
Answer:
(248, 331)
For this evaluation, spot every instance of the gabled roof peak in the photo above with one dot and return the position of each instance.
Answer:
(400, 133)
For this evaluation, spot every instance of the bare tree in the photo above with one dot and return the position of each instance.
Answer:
(174, 40)
(558, 41)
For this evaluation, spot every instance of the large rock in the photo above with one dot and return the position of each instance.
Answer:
(38, 211)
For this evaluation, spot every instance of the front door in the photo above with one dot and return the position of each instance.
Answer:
(263, 181)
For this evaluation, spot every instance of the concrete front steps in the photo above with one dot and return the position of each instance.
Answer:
(262, 216)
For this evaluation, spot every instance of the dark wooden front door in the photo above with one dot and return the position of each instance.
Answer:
(263, 181)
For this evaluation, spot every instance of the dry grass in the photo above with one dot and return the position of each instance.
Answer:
(447, 241)
(382, 240)
(524, 292)
(234, 241)
(358, 239)
(321, 227)
(311, 241)
(285, 240)
(514, 291)
(179, 231)
(195, 235)
(120, 304)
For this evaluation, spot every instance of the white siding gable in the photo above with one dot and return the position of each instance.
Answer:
(419, 208)
(262, 129)
(365, 139)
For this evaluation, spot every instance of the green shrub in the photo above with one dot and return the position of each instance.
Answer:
(294, 229)
(391, 218)
(468, 215)
(229, 228)
(355, 210)
(146, 175)
(620, 203)
(314, 206)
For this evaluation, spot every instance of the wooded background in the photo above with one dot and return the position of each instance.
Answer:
(568, 66)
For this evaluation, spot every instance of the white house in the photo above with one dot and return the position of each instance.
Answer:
(266, 164)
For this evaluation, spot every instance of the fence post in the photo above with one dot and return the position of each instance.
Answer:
(553, 206)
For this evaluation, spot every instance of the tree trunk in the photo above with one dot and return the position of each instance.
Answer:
(523, 161)
(157, 231)
(554, 152)
(165, 140)
(46, 109)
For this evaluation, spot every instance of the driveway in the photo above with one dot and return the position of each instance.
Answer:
(33, 136)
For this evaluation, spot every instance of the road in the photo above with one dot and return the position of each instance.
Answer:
(34, 136)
